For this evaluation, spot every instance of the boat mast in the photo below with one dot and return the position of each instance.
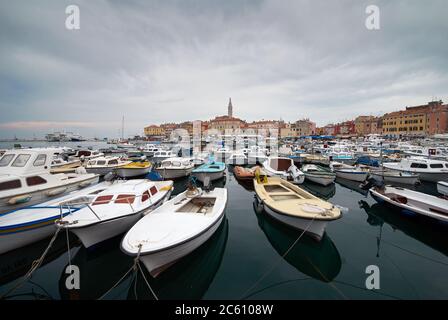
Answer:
(122, 129)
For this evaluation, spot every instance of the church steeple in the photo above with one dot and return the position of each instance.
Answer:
(230, 108)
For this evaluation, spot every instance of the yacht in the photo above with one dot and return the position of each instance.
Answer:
(428, 169)
(25, 178)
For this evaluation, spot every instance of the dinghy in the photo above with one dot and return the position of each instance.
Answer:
(115, 209)
(412, 202)
(176, 229)
(294, 206)
(318, 174)
(283, 168)
(213, 170)
(348, 172)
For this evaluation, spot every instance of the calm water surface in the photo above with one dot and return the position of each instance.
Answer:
(244, 257)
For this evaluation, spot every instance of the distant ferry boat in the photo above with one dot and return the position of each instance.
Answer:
(63, 137)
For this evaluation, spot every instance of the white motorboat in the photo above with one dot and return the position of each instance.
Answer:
(59, 162)
(174, 168)
(318, 174)
(28, 225)
(85, 155)
(176, 228)
(348, 172)
(339, 152)
(134, 169)
(116, 209)
(237, 159)
(390, 176)
(442, 188)
(283, 168)
(412, 202)
(125, 145)
(104, 165)
(161, 155)
(25, 178)
(427, 168)
(294, 206)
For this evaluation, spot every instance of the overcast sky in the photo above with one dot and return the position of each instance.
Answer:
(162, 61)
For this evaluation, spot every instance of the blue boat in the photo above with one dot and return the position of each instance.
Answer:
(213, 170)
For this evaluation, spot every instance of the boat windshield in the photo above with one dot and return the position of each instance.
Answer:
(6, 160)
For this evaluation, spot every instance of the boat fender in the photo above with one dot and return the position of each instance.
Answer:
(20, 199)
(54, 192)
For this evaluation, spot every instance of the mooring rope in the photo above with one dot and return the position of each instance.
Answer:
(279, 260)
(135, 267)
(34, 266)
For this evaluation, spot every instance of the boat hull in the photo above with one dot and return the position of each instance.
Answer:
(314, 228)
(212, 175)
(45, 195)
(99, 232)
(411, 180)
(130, 173)
(320, 179)
(352, 175)
(173, 173)
(12, 241)
(157, 262)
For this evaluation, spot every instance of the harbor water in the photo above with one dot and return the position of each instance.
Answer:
(245, 258)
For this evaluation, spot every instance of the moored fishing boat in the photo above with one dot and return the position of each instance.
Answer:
(134, 169)
(294, 206)
(176, 229)
(25, 179)
(104, 165)
(318, 175)
(348, 172)
(390, 176)
(412, 202)
(114, 210)
(213, 170)
(174, 168)
(27, 225)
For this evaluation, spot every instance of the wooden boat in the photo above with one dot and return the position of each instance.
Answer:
(412, 202)
(318, 175)
(294, 206)
(242, 173)
(114, 210)
(25, 178)
(134, 169)
(176, 229)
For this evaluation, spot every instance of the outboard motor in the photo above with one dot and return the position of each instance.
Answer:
(295, 172)
(207, 184)
(80, 170)
(370, 183)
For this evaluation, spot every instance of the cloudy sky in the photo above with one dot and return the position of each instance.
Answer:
(159, 61)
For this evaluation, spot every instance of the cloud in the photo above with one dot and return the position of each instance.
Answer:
(158, 61)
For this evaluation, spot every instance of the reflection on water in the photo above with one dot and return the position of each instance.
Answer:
(16, 263)
(180, 185)
(99, 268)
(352, 185)
(319, 260)
(431, 234)
(191, 276)
(323, 192)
